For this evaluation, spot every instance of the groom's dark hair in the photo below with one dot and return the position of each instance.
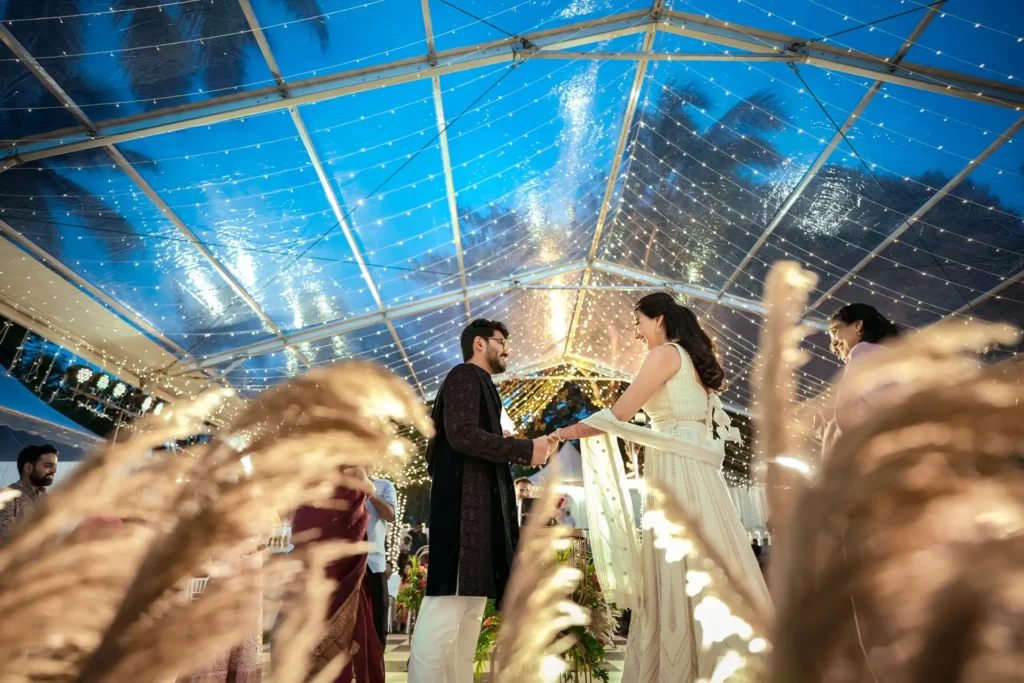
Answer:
(479, 328)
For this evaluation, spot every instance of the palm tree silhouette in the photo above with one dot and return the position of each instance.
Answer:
(41, 199)
(686, 177)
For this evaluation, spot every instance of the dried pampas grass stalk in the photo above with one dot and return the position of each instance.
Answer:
(908, 504)
(902, 561)
(300, 628)
(730, 621)
(781, 458)
(108, 607)
(536, 606)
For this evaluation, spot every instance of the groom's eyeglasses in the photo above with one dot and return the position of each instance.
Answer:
(503, 342)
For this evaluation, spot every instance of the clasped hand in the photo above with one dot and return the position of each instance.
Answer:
(543, 448)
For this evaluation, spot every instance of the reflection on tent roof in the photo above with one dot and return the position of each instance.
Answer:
(250, 209)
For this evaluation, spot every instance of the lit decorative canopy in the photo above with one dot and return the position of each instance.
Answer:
(200, 192)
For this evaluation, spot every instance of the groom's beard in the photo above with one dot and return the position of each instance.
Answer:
(498, 360)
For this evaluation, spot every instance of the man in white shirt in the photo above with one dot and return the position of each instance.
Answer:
(381, 506)
(394, 585)
(524, 492)
(567, 519)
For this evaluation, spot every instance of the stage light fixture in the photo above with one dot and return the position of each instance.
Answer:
(120, 389)
(79, 374)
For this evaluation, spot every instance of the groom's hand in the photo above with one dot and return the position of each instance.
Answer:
(541, 449)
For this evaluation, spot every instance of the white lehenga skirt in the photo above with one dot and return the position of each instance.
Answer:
(665, 641)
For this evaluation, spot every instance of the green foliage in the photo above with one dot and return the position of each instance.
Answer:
(588, 652)
(411, 597)
(488, 636)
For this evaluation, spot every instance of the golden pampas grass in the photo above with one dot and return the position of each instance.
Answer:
(780, 437)
(730, 621)
(93, 606)
(925, 492)
(536, 606)
(901, 561)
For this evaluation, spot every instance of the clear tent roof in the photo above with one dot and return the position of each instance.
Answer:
(266, 185)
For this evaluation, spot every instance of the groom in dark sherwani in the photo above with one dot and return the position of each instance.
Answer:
(474, 528)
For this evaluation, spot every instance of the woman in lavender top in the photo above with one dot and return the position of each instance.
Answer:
(856, 331)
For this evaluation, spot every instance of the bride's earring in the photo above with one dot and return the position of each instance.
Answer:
(658, 328)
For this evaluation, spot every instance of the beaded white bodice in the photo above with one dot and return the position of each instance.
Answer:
(680, 399)
(683, 409)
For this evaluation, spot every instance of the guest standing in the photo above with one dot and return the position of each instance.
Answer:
(524, 498)
(394, 584)
(856, 331)
(417, 538)
(350, 614)
(567, 519)
(381, 508)
(37, 465)
(243, 662)
(474, 530)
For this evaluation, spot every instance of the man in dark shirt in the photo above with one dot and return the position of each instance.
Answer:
(37, 466)
(473, 523)
(418, 536)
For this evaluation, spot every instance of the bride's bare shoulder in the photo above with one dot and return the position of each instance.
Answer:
(666, 358)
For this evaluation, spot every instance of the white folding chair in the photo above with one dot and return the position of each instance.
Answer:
(196, 587)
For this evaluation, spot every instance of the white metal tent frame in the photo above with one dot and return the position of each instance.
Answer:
(756, 45)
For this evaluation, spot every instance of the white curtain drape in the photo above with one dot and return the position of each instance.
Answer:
(752, 504)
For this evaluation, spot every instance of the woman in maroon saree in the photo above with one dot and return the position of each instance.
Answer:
(350, 614)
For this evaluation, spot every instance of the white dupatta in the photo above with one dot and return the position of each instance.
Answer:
(613, 539)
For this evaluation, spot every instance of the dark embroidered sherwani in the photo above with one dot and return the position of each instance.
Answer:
(473, 525)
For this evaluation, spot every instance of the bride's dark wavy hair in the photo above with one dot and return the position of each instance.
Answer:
(681, 326)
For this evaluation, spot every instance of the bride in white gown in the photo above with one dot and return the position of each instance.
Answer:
(677, 387)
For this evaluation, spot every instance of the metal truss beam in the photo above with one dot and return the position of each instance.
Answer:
(40, 73)
(921, 211)
(346, 229)
(320, 88)
(54, 332)
(666, 56)
(839, 136)
(753, 40)
(51, 261)
(821, 54)
(197, 244)
(994, 292)
(691, 290)
(446, 159)
(325, 182)
(386, 315)
(261, 42)
(613, 176)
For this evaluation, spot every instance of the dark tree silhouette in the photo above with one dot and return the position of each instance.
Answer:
(41, 199)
